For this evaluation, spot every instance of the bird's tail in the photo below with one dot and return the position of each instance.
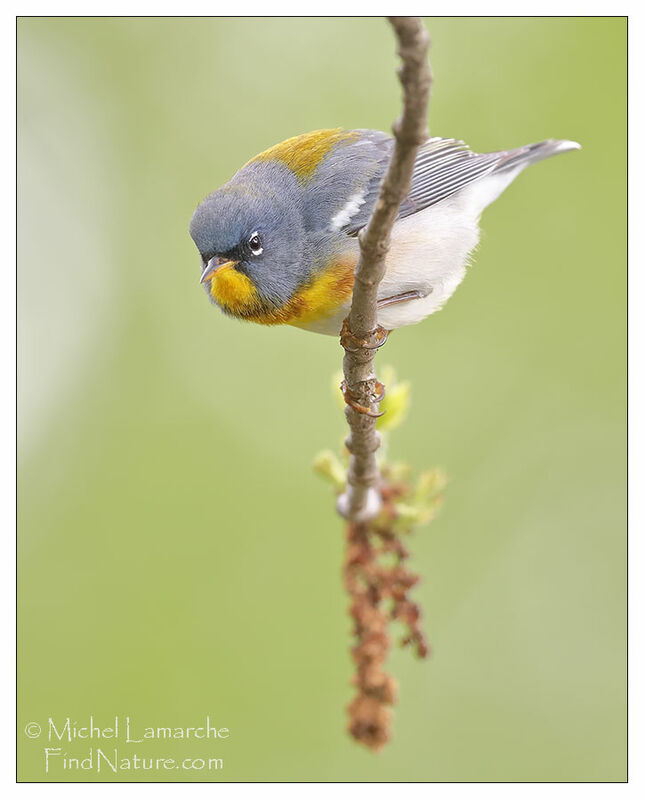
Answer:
(523, 156)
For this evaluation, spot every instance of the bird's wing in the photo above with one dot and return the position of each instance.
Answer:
(442, 167)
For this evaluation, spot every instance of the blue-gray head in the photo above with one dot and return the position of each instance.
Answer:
(253, 232)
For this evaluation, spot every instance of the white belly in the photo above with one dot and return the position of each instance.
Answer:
(429, 252)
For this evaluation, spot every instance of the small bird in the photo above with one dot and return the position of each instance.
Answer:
(278, 242)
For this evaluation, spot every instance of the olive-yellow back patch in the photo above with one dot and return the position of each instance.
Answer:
(303, 154)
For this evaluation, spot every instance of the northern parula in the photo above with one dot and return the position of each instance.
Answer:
(278, 242)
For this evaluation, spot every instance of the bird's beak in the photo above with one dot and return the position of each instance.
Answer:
(213, 265)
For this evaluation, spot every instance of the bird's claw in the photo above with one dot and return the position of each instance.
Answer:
(353, 343)
(350, 399)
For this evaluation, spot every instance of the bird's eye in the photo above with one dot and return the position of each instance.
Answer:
(255, 244)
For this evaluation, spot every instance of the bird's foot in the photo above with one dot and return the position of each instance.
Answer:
(352, 400)
(404, 297)
(352, 343)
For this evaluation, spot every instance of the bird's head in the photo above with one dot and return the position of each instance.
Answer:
(252, 244)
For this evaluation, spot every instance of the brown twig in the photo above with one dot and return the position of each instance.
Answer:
(371, 583)
(361, 335)
(368, 501)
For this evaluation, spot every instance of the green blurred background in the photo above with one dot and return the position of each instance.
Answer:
(177, 556)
